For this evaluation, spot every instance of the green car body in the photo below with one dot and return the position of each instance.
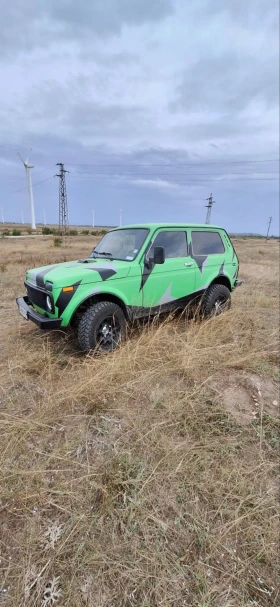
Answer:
(191, 259)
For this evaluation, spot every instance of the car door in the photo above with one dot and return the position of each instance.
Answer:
(169, 284)
(208, 251)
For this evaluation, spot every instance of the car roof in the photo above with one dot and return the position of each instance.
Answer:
(169, 225)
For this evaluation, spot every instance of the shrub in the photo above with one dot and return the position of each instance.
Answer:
(73, 232)
(29, 230)
(98, 232)
(57, 242)
(16, 232)
(85, 232)
(47, 230)
(6, 233)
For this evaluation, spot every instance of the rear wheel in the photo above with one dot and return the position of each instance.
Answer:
(101, 327)
(216, 299)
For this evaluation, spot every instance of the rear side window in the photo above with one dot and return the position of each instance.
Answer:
(174, 244)
(207, 243)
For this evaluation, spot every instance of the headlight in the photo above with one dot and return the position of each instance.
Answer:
(49, 303)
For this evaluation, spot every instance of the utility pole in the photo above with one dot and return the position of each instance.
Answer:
(269, 222)
(44, 214)
(63, 207)
(120, 217)
(93, 218)
(22, 217)
(2, 214)
(209, 208)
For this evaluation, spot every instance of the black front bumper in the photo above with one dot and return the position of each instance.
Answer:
(43, 322)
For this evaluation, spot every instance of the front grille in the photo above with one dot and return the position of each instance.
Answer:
(36, 296)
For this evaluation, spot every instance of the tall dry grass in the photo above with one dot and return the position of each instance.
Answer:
(132, 479)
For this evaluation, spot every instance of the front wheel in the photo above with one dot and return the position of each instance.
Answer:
(101, 327)
(216, 299)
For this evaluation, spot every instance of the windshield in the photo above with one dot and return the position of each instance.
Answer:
(121, 244)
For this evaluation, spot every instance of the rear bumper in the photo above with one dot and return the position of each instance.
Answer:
(237, 283)
(28, 312)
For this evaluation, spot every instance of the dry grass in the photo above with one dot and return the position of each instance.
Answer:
(148, 477)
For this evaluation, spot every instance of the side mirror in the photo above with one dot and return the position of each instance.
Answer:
(159, 255)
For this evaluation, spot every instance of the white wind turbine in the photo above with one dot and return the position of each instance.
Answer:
(27, 167)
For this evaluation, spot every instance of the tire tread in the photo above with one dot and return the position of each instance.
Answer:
(90, 317)
(210, 295)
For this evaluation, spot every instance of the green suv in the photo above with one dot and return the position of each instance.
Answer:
(134, 271)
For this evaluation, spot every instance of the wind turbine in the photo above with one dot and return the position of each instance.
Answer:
(27, 167)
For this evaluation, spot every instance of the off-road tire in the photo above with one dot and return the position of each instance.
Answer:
(92, 320)
(214, 295)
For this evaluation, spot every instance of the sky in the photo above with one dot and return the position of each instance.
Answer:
(151, 106)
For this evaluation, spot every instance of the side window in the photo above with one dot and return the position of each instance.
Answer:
(174, 244)
(207, 243)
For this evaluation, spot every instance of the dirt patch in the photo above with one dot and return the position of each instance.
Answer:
(239, 403)
(245, 395)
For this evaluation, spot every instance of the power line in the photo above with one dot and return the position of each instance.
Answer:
(126, 178)
(175, 174)
(199, 162)
(36, 183)
(196, 164)
(21, 178)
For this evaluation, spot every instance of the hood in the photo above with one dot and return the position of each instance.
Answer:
(71, 272)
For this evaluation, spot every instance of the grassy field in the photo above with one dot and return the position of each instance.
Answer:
(149, 477)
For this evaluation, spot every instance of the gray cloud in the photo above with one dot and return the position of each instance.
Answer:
(250, 13)
(107, 16)
(227, 83)
(27, 25)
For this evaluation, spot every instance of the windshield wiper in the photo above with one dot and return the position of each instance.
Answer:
(102, 253)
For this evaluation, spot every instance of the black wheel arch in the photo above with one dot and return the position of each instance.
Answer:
(221, 280)
(96, 298)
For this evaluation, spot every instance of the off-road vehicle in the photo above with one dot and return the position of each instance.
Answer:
(134, 271)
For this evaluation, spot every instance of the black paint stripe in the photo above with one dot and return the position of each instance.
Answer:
(199, 259)
(64, 298)
(103, 273)
(145, 275)
(146, 271)
(175, 304)
(40, 276)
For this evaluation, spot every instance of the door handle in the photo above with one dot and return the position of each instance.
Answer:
(188, 264)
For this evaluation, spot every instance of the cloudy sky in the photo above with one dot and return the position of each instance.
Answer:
(150, 104)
